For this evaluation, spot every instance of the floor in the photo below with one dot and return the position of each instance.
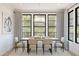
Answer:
(19, 52)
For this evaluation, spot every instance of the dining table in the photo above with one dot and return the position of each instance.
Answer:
(41, 39)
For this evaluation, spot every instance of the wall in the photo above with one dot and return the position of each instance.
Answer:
(6, 39)
(66, 42)
(60, 23)
(73, 47)
(17, 24)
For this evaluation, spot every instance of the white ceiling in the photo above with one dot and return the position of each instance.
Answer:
(39, 7)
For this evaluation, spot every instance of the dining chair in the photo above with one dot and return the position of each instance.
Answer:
(59, 44)
(32, 44)
(18, 44)
(37, 37)
(47, 43)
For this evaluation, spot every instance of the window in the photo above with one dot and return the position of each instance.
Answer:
(26, 25)
(52, 25)
(39, 25)
(70, 26)
(77, 25)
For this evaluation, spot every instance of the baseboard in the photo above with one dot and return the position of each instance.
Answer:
(7, 53)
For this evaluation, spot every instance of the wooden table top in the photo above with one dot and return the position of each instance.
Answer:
(53, 39)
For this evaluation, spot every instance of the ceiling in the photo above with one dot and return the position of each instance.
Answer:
(39, 7)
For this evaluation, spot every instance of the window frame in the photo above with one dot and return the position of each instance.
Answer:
(38, 26)
(28, 26)
(69, 24)
(76, 19)
(48, 24)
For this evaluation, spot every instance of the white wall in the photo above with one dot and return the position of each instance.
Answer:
(17, 24)
(73, 47)
(66, 42)
(60, 24)
(6, 39)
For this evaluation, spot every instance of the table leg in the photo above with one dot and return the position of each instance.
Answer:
(27, 46)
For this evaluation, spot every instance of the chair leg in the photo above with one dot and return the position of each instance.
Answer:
(36, 48)
(23, 47)
(43, 49)
(63, 47)
(55, 47)
(15, 49)
(51, 49)
(28, 48)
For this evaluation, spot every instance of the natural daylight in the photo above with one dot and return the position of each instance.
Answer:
(39, 29)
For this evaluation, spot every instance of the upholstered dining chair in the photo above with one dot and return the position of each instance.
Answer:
(37, 37)
(32, 44)
(59, 44)
(18, 44)
(47, 43)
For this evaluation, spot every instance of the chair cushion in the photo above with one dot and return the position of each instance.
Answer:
(33, 46)
(47, 46)
(58, 44)
(19, 44)
(32, 42)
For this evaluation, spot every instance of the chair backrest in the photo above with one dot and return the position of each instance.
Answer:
(43, 37)
(47, 37)
(47, 41)
(32, 41)
(37, 37)
(16, 39)
(62, 39)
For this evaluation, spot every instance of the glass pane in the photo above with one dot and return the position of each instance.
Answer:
(78, 25)
(52, 34)
(26, 23)
(39, 18)
(71, 28)
(26, 34)
(78, 11)
(71, 36)
(77, 31)
(26, 17)
(71, 22)
(26, 29)
(39, 29)
(52, 17)
(52, 23)
(78, 20)
(71, 33)
(52, 29)
(71, 16)
(40, 24)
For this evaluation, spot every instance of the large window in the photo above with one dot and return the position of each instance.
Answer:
(26, 25)
(77, 25)
(39, 25)
(70, 26)
(52, 25)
